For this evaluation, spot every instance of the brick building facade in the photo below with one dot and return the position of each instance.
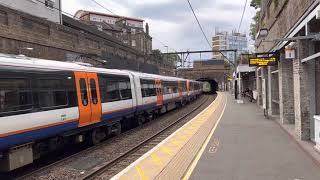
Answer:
(68, 42)
(293, 85)
(129, 30)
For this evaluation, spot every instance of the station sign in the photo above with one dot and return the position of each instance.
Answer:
(264, 59)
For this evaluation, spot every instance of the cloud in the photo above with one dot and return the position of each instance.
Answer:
(172, 22)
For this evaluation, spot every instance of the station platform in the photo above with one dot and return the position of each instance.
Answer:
(226, 141)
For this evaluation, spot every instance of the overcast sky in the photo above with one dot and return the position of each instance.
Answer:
(172, 22)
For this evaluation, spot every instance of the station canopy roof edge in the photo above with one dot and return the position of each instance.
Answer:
(245, 68)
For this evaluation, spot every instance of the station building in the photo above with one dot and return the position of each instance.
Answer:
(292, 88)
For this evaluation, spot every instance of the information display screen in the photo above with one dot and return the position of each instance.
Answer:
(263, 61)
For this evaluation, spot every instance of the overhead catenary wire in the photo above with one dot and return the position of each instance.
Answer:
(60, 10)
(163, 43)
(103, 6)
(204, 34)
(244, 10)
(71, 15)
(195, 16)
(66, 13)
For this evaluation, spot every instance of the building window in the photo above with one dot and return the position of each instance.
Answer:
(134, 44)
(49, 3)
(133, 31)
(99, 27)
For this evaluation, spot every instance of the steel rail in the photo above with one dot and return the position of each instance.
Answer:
(65, 159)
(112, 162)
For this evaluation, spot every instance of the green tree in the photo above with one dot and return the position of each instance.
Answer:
(254, 25)
(256, 4)
(255, 20)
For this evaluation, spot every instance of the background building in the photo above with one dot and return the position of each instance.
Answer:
(47, 9)
(225, 40)
(127, 29)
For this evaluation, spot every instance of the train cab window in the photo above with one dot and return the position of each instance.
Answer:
(93, 88)
(84, 93)
(15, 95)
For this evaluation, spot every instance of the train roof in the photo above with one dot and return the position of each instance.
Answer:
(20, 62)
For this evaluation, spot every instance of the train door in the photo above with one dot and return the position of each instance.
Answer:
(188, 86)
(95, 100)
(88, 98)
(180, 89)
(159, 92)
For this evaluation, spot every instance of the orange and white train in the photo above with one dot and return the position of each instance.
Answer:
(44, 104)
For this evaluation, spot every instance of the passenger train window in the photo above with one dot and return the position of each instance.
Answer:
(183, 86)
(125, 90)
(167, 87)
(174, 86)
(112, 92)
(114, 87)
(93, 88)
(15, 95)
(148, 87)
(84, 93)
(52, 93)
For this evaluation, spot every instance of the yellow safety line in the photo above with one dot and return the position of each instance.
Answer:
(167, 150)
(197, 158)
(177, 143)
(141, 173)
(156, 159)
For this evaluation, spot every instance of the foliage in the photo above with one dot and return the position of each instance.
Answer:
(275, 3)
(171, 59)
(254, 25)
(255, 20)
(256, 4)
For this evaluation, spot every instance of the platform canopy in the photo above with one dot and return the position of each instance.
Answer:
(245, 68)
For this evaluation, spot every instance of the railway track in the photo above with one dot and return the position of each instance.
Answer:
(110, 168)
(105, 168)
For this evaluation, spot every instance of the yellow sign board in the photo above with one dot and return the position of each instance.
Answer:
(265, 61)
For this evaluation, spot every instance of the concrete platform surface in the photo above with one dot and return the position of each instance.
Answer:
(246, 146)
(171, 158)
